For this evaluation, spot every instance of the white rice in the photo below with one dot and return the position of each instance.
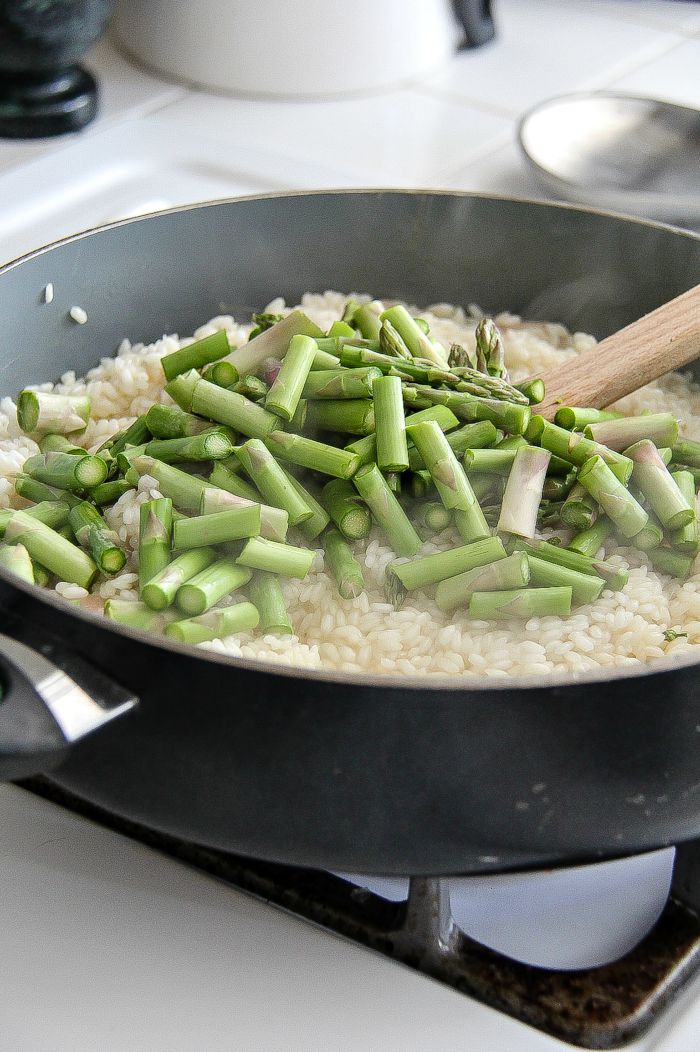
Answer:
(366, 634)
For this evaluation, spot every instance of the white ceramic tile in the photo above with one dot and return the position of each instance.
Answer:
(683, 16)
(546, 48)
(403, 137)
(674, 76)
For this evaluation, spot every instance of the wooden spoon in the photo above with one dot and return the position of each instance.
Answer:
(658, 343)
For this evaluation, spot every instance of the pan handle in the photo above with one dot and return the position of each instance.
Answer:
(43, 709)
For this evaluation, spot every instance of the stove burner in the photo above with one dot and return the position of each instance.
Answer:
(595, 1008)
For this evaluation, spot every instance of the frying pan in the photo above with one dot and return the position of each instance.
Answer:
(316, 768)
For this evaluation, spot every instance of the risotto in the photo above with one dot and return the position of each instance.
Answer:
(654, 615)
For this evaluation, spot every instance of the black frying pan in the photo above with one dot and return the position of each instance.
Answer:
(346, 772)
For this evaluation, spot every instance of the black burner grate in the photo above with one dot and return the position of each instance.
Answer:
(595, 1008)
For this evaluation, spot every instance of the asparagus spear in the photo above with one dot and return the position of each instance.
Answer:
(346, 510)
(489, 461)
(210, 445)
(271, 480)
(341, 383)
(420, 573)
(51, 550)
(53, 513)
(266, 595)
(273, 342)
(354, 416)
(390, 428)
(590, 540)
(223, 475)
(223, 374)
(283, 397)
(273, 521)
(40, 412)
(658, 486)
(263, 320)
(521, 602)
(94, 535)
(155, 538)
(572, 446)
(533, 390)
(319, 518)
(580, 509)
(227, 407)
(59, 444)
(391, 343)
(452, 484)
(673, 563)
(615, 577)
(215, 624)
(134, 614)
(576, 418)
(205, 530)
(557, 489)
(508, 573)
(489, 346)
(109, 492)
(16, 560)
(282, 559)
(342, 564)
(585, 588)
(523, 493)
(32, 489)
(686, 539)
(66, 471)
(367, 320)
(366, 447)
(650, 536)
(317, 456)
(168, 421)
(341, 328)
(687, 452)
(161, 590)
(386, 510)
(206, 588)
(181, 389)
(195, 355)
(660, 428)
(253, 387)
(616, 501)
(434, 516)
(418, 343)
(184, 490)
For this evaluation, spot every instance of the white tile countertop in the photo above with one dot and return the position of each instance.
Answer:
(108, 945)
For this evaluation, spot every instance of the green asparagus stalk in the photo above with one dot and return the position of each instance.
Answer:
(367, 320)
(585, 588)
(471, 436)
(341, 328)
(666, 454)
(347, 511)
(576, 418)
(508, 573)
(488, 461)
(650, 536)
(46, 546)
(205, 589)
(59, 444)
(393, 481)
(673, 563)
(434, 516)
(16, 560)
(53, 513)
(453, 486)
(349, 310)
(687, 452)
(66, 471)
(386, 510)
(181, 389)
(223, 374)
(574, 447)
(533, 390)
(266, 595)
(271, 480)
(390, 428)
(134, 435)
(155, 538)
(341, 562)
(184, 490)
(272, 343)
(341, 383)
(94, 535)
(658, 486)
(168, 421)
(40, 412)
(686, 539)
(42, 576)
(215, 624)
(421, 484)
(109, 492)
(521, 602)
(614, 577)
(210, 445)
(420, 573)
(227, 407)
(31, 489)
(252, 387)
(161, 590)
(282, 559)
(225, 477)
(317, 456)
(616, 501)
(319, 519)
(523, 492)
(195, 355)
(204, 530)
(391, 343)
(489, 344)
(419, 343)
(590, 540)
(580, 509)
(283, 397)
(660, 428)
(558, 489)
(134, 615)
(261, 321)
(273, 521)
(354, 416)
(366, 447)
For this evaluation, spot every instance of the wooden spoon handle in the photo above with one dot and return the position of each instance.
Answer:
(666, 339)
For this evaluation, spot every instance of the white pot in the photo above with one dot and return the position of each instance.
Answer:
(289, 47)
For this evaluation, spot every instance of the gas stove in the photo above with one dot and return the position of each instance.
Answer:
(131, 941)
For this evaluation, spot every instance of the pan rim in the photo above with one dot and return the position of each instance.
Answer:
(439, 683)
